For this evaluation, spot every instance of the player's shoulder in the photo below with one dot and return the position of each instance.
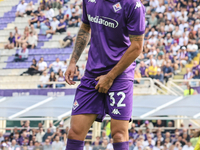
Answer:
(131, 3)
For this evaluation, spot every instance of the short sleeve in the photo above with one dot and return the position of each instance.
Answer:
(136, 19)
(84, 16)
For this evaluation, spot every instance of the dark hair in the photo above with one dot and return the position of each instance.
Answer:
(35, 60)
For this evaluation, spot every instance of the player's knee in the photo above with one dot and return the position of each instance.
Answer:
(74, 133)
(118, 136)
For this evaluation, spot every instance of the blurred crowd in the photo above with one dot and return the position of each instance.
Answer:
(143, 137)
(171, 39)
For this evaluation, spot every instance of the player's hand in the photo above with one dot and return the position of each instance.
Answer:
(69, 74)
(104, 84)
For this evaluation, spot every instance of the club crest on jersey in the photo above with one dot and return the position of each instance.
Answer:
(117, 7)
(75, 105)
(92, 1)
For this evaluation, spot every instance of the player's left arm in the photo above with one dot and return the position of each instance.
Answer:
(129, 56)
(106, 81)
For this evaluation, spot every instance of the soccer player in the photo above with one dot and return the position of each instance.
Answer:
(117, 28)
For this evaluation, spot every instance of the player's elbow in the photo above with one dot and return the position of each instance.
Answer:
(137, 48)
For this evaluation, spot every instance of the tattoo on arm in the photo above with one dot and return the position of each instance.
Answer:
(136, 37)
(81, 42)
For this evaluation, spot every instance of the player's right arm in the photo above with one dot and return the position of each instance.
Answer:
(81, 42)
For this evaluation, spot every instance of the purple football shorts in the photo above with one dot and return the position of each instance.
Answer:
(117, 102)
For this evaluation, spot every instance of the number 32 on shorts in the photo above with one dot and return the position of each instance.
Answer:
(120, 103)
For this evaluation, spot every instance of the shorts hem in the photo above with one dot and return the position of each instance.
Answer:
(95, 113)
(121, 118)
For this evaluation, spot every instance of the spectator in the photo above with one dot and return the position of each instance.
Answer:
(47, 145)
(159, 76)
(52, 127)
(52, 78)
(32, 29)
(196, 74)
(37, 146)
(21, 9)
(188, 74)
(150, 143)
(146, 124)
(61, 26)
(76, 74)
(40, 135)
(195, 67)
(37, 12)
(32, 70)
(192, 50)
(182, 57)
(60, 16)
(46, 25)
(61, 78)
(32, 41)
(67, 41)
(82, 70)
(49, 13)
(183, 40)
(57, 4)
(14, 145)
(30, 8)
(158, 145)
(48, 133)
(1, 137)
(41, 19)
(31, 146)
(73, 21)
(41, 65)
(142, 69)
(22, 55)
(11, 42)
(188, 146)
(174, 48)
(43, 79)
(87, 146)
(23, 138)
(137, 76)
(54, 25)
(57, 145)
(151, 71)
(167, 71)
(33, 20)
(56, 66)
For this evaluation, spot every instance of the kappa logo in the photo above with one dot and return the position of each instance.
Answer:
(117, 7)
(138, 5)
(116, 112)
(75, 105)
(92, 1)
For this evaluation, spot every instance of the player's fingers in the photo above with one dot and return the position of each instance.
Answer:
(67, 78)
(97, 86)
(97, 78)
(71, 76)
(100, 90)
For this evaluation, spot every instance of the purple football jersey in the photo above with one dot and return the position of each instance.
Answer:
(111, 22)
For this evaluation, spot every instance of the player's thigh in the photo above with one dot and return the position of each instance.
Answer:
(80, 124)
(119, 100)
(119, 130)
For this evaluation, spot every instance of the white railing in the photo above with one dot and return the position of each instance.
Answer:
(164, 89)
(146, 86)
(179, 85)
